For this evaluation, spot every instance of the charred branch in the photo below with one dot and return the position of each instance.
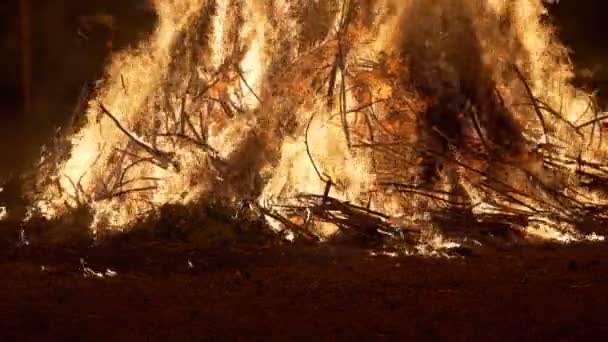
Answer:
(537, 110)
(164, 159)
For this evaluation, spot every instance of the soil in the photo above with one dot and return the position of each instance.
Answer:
(175, 291)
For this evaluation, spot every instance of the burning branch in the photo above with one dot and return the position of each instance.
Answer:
(537, 110)
(240, 72)
(592, 122)
(545, 106)
(127, 191)
(477, 126)
(124, 85)
(164, 159)
(434, 195)
(312, 160)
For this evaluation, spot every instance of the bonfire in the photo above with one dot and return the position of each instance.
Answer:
(408, 122)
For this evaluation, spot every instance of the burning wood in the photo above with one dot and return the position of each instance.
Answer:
(163, 159)
(465, 125)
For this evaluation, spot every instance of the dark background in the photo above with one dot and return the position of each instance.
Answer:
(64, 60)
(69, 50)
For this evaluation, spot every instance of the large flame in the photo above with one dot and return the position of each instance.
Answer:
(265, 100)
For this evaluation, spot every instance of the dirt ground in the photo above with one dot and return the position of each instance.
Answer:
(171, 291)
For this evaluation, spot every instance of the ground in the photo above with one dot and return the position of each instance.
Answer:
(294, 292)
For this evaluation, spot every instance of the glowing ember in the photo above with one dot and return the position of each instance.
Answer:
(3, 213)
(393, 108)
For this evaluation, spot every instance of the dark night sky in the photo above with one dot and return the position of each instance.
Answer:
(584, 26)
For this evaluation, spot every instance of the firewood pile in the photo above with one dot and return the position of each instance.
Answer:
(396, 142)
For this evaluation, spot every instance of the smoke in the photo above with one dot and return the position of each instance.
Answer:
(385, 100)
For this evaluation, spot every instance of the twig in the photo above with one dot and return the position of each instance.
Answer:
(312, 160)
(360, 108)
(333, 74)
(206, 89)
(77, 194)
(332, 202)
(124, 85)
(119, 183)
(343, 106)
(128, 191)
(411, 190)
(79, 183)
(545, 106)
(199, 136)
(203, 145)
(163, 157)
(247, 85)
(326, 192)
(384, 128)
(141, 179)
(467, 167)
(537, 110)
(182, 113)
(286, 222)
(591, 122)
(225, 106)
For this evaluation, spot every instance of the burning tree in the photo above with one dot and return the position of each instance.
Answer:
(320, 117)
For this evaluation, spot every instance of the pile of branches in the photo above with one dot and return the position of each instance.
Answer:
(471, 173)
(457, 156)
(463, 157)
